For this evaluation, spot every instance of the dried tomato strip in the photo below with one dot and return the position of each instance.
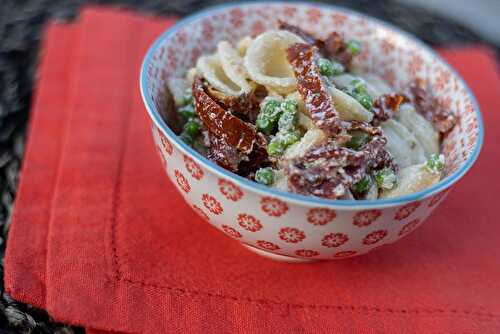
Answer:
(312, 89)
(222, 123)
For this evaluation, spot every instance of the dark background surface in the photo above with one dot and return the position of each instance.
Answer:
(21, 28)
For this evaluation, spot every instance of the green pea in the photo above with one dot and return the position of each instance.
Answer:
(358, 140)
(192, 127)
(276, 147)
(435, 163)
(289, 106)
(365, 100)
(268, 117)
(325, 67)
(329, 68)
(363, 185)
(289, 138)
(264, 125)
(287, 121)
(338, 68)
(265, 176)
(354, 47)
(385, 178)
(272, 109)
(358, 86)
(187, 112)
(357, 89)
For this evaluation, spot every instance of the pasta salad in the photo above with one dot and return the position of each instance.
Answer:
(293, 112)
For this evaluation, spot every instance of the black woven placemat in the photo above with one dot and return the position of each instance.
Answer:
(21, 23)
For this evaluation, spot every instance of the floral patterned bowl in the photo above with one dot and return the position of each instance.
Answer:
(288, 226)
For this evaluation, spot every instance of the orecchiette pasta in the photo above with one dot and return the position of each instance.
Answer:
(412, 179)
(291, 111)
(266, 61)
(420, 127)
(402, 144)
(349, 109)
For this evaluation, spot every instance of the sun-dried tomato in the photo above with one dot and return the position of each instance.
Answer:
(245, 106)
(429, 107)
(385, 107)
(314, 92)
(333, 47)
(222, 123)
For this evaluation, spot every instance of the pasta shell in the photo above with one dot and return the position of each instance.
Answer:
(376, 84)
(211, 69)
(412, 179)
(345, 80)
(232, 64)
(420, 128)
(266, 61)
(402, 144)
(348, 108)
(243, 44)
(311, 138)
(280, 180)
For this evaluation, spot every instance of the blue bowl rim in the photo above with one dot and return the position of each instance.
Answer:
(288, 196)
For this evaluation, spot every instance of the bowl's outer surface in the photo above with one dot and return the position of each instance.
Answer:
(291, 224)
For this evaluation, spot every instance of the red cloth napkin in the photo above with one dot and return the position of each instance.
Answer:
(100, 237)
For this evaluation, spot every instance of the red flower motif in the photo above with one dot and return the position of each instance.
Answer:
(193, 168)
(231, 191)
(273, 207)
(320, 216)
(231, 231)
(162, 157)
(165, 142)
(415, 65)
(182, 181)
(172, 57)
(195, 54)
(212, 204)
(344, 254)
(289, 11)
(334, 240)
(306, 253)
(387, 46)
(291, 235)
(338, 19)
(236, 17)
(442, 79)
(435, 200)
(314, 15)
(267, 245)
(249, 222)
(406, 210)
(445, 102)
(200, 212)
(207, 30)
(257, 28)
(181, 37)
(366, 217)
(374, 237)
(409, 227)
(389, 76)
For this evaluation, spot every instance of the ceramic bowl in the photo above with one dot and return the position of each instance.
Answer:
(288, 226)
